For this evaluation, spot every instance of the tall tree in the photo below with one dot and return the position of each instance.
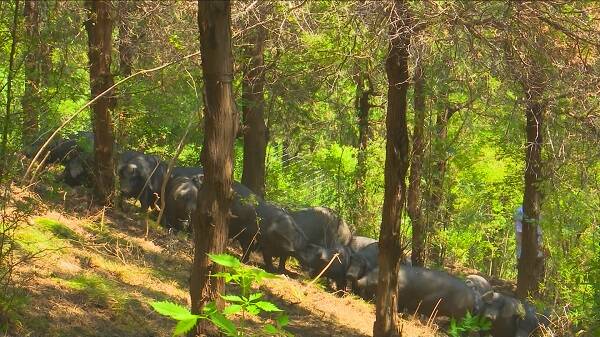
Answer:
(528, 55)
(31, 101)
(99, 29)
(211, 220)
(529, 265)
(396, 166)
(531, 74)
(414, 200)
(253, 107)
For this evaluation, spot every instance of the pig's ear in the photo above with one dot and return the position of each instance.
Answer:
(131, 168)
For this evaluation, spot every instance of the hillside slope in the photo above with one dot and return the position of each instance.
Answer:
(94, 274)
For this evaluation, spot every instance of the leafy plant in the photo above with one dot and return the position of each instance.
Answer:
(468, 324)
(243, 304)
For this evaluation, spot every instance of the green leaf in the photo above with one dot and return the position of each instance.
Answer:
(173, 310)
(225, 260)
(228, 277)
(254, 297)
(184, 326)
(259, 274)
(511, 95)
(457, 98)
(232, 309)
(267, 306)
(210, 307)
(269, 328)
(282, 320)
(485, 324)
(253, 309)
(223, 323)
(453, 330)
(232, 298)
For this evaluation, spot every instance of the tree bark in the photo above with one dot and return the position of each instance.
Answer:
(99, 29)
(396, 166)
(414, 188)
(364, 90)
(529, 275)
(31, 101)
(255, 129)
(211, 220)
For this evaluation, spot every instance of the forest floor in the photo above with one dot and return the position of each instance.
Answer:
(93, 273)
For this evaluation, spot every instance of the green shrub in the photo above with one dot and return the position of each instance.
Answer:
(245, 303)
(468, 324)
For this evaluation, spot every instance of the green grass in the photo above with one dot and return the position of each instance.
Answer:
(58, 229)
(99, 291)
(36, 240)
(45, 235)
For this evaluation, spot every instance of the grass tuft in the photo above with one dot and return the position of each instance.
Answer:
(99, 291)
(57, 228)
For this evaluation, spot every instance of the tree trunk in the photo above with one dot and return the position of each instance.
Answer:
(435, 196)
(529, 275)
(126, 50)
(45, 9)
(99, 29)
(31, 102)
(255, 130)
(414, 188)
(211, 220)
(396, 166)
(364, 90)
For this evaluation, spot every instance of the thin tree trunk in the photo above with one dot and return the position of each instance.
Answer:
(99, 28)
(45, 10)
(414, 188)
(435, 196)
(529, 275)
(126, 50)
(11, 72)
(286, 156)
(396, 166)
(255, 129)
(211, 220)
(31, 101)
(364, 90)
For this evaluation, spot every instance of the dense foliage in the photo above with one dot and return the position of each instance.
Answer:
(314, 52)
